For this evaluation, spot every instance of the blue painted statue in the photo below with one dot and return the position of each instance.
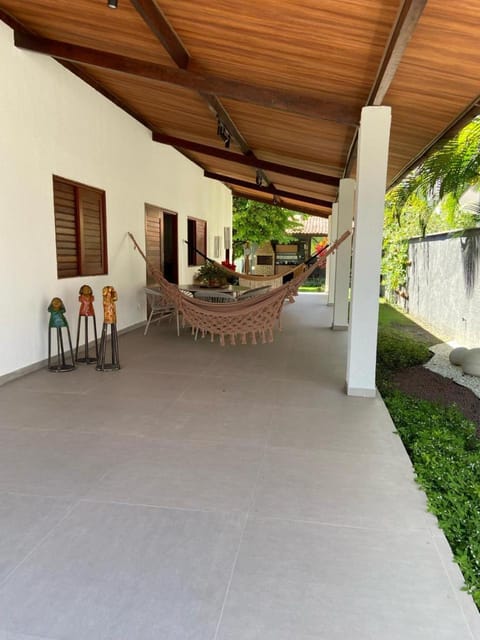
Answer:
(57, 317)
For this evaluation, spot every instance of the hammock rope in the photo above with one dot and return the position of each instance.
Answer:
(253, 281)
(254, 317)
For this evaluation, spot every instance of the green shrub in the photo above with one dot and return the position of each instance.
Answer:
(445, 453)
(396, 351)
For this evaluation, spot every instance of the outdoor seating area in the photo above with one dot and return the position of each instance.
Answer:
(160, 308)
(217, 494)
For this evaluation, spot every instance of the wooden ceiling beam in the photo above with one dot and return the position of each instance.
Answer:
(247, 160)
(164, 32)
(201, 83)
(405, 24)
(160, 27)
(270, 190)
(310, 211)
(401, 34)
(221, 113)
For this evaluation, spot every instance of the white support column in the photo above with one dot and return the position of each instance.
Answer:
(327, 266)
(332, 259)
(346, 203)
(372, 160)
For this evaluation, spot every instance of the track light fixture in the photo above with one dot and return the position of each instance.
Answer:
(224, 133)
(112, 4)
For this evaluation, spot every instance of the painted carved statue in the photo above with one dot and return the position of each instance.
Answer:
(109, 308)
(57, 311)
(86, 299)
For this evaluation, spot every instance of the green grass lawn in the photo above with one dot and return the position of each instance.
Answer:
(390, 318)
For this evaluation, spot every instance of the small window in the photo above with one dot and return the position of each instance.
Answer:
(79, 229)
(197, 239)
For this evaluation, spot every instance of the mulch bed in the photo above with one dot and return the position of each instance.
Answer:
(424, 384)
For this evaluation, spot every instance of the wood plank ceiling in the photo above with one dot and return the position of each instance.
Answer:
(266, 97)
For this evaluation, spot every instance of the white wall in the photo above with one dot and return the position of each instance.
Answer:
(53, 123)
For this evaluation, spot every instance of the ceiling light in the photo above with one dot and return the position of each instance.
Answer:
(112, 4)
(224, 133)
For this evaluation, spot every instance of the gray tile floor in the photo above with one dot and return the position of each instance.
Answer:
(212, 493)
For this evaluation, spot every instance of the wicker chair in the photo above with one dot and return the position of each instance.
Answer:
(160, 308)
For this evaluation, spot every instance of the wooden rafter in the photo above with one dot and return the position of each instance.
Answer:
(270, 189)
(202, 83)
(403, 29)
(273, 200)
(405, 24)
(247, 160)
(217, 107)
(159, 25)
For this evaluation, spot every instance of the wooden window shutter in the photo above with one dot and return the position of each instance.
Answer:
(80, 230)
(92, 229)
(65, 229)
(201, 240)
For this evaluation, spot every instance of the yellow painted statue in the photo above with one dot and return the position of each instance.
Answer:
(109, 308)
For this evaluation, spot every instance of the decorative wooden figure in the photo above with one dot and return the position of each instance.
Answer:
(86, 311)
(59, 322)
(109, 319)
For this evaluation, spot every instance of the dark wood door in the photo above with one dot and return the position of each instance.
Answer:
(161, 242)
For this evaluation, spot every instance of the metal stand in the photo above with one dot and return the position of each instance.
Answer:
(115, 363)
(86, 359)
(62, 364)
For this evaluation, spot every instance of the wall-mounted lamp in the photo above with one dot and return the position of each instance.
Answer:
(112, 4)
(216, 246)
(224, 133)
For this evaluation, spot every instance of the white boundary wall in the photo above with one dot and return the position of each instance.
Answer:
(444, 284)
(53, 123)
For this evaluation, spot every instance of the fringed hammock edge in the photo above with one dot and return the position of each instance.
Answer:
(254, 317)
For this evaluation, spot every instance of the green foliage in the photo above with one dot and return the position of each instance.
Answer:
(260, 222)
(446, 455)
(441, 443)
(396, 351)
(428, 201)
(389, 316)
(209, 271)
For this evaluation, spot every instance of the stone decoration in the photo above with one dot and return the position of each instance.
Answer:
(471, 363)
(457, 355)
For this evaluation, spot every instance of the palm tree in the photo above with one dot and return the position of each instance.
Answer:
(442, 179)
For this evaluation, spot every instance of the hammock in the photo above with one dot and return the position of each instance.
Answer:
(252, 281)
(254, 317)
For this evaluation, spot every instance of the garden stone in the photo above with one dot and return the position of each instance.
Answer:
(457, 356)
(471, 363)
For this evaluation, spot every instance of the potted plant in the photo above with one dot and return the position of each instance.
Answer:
(210, 275)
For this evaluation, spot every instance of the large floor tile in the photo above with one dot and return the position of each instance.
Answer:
(189, 476)
(352, 425)
(40, 409)
(302, 581)
(114, 572)
(234, 423)
(54, 463)
(340, 488)
(24, 521)
(7, 635)
(80, 380)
